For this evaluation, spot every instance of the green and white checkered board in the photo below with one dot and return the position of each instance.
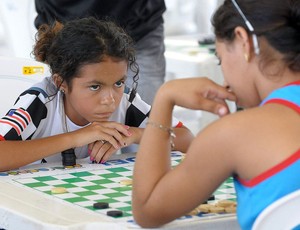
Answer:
(88, 185)
(226, 191)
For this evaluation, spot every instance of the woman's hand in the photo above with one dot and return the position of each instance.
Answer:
(197, 93)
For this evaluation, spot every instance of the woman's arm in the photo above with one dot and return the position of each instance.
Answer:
(157, 189)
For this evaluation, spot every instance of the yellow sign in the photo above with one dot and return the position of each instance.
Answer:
(28, 70)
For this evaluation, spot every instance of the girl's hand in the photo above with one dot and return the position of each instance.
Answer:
(111, 132)
(101, 151)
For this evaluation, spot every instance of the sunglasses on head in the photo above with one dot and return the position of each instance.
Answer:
(249, 26)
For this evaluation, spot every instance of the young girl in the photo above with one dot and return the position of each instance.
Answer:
(257, 43)
(84, 104)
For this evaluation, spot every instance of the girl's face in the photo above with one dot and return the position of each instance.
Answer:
(96, 93)
(238, 74)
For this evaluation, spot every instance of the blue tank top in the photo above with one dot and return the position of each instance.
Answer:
(254, 195)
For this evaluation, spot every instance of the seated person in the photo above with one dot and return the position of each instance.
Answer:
(257, 43)
(85, 104)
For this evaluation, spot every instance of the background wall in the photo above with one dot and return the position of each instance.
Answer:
(189, 16)
(16, 27)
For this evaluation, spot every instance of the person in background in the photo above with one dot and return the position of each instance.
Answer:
(143, 21)
(85, 104)
(257, 43)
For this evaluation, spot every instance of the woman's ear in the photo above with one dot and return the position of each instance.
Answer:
(244, 40)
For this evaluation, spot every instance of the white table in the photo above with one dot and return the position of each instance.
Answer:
(25, 208)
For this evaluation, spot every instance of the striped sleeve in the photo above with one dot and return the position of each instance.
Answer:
(22, 120)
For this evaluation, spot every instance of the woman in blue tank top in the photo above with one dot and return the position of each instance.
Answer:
(257, 44)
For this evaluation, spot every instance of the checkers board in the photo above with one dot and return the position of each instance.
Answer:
(89, 183)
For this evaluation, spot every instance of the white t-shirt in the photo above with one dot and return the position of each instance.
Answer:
(39, 112)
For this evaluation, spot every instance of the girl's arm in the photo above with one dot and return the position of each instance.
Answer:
(14, 154)
(182, 139)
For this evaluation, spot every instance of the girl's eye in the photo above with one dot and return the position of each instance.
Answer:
(119, 84)
(95, 87)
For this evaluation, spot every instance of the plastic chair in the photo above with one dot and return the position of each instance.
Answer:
(17, 75)
(284, 214)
